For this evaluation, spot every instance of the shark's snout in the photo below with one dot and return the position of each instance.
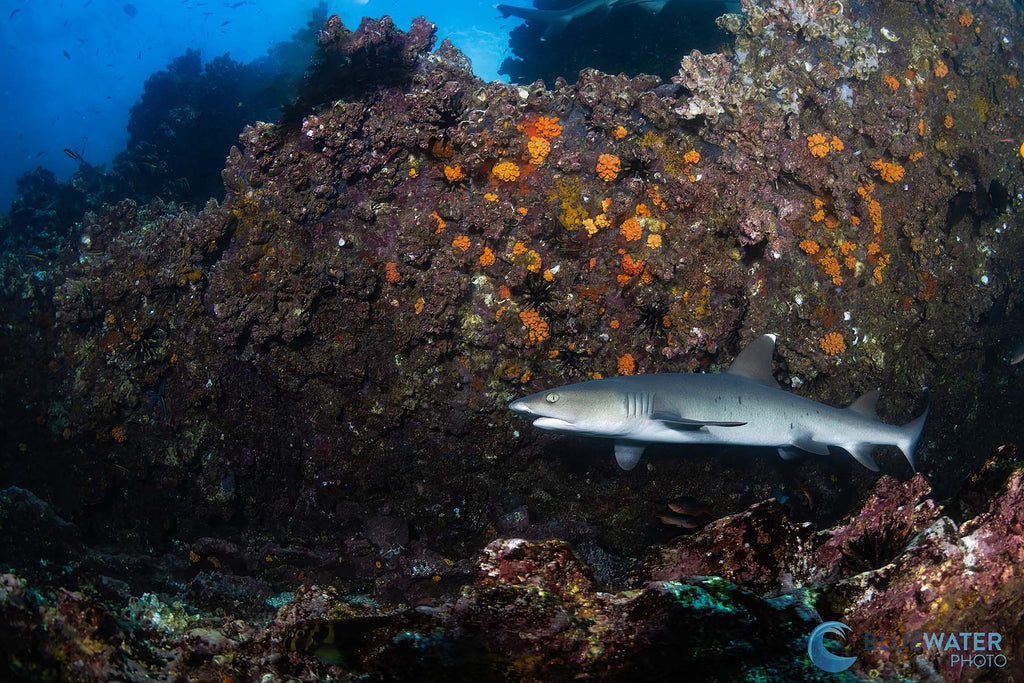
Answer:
(521, 407)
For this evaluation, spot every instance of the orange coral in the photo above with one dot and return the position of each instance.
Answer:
(831, 266)
(817, 144)
(619, 132)
(818, 216)
(461, 243)
(506, 171)
(846, 247)
(890, 173)
(440, 222)
(836, 144)
(832, 343)
(631, 267)
(391, 273)
(631, 229)
(539, 149)
(941, 69)
(454, 173)
(418, 306)
(948, 121)
(547, 126)
(966, 19)
(810, 246)
(537, 327)
(608, 167)
(626, 364)
(892, 82)
(119, 434)
(951, 96)
(487, 258)
(654, 241)
(916, 156)
(692, 157)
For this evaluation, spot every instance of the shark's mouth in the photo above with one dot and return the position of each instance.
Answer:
(551, 423)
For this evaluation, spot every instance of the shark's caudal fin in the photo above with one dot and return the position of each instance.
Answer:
(910, 433)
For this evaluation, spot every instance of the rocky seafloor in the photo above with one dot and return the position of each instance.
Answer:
(269, 439)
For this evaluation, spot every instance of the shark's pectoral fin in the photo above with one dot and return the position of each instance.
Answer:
(815, 447)
(862, 453)
(790, 452)
(628, 454)
(673, 420)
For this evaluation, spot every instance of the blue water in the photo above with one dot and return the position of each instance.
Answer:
(81, 100)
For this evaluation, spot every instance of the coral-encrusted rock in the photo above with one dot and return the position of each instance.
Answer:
(536, 607)
(753, 549)
(950, 580)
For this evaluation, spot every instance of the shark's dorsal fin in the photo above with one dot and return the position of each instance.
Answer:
(866, 404)
(755, 361)
(628, 454)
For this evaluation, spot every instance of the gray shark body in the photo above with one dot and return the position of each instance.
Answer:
(555, 21)
(743, 406)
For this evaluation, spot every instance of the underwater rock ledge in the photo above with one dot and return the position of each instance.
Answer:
(531, 610)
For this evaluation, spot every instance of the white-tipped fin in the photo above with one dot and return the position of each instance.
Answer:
(867, 404)
(755, 361)
(628, 454)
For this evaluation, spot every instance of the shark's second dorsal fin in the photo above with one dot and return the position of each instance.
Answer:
(755, 361)
(866, 404)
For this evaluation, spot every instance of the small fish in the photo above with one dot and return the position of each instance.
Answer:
(329, 640)
(691, 507)
(131, 10)
(32, 256)
(680, 521)
(65, 52)
(226, 22)
(14, 12)
(1016, 354)
(236, 5)
(73, 154)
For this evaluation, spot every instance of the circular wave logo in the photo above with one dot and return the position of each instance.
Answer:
(820, 656)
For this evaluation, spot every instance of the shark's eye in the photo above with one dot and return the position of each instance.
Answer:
(551, 398)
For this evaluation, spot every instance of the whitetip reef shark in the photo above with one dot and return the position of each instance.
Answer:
(743, 406)
(556, 20)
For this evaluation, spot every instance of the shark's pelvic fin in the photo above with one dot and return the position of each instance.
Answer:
(673, 420)
(866, 404)
(755, 361)
(815, 447)
(790, 452)
(862, 453)
(628, 454)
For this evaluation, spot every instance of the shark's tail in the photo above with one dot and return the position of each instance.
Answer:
(910, 433)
